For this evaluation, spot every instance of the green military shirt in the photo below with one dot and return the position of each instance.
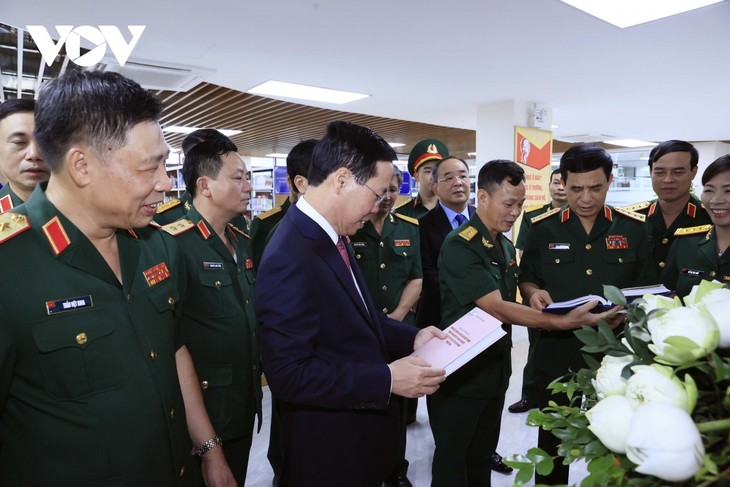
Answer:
(389, 261)
(661, 237)
(568, 263)
(218, 323)
(262, 225)
(413, 207)
(8, 199)
(529, 214)
(89, 393)
(694, 257)
(472, 265)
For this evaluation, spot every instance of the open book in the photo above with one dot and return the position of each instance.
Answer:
(631, 293)
(467, 337)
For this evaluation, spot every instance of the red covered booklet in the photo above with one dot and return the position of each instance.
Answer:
(468, 336)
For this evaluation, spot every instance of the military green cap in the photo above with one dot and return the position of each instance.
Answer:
(426, 150)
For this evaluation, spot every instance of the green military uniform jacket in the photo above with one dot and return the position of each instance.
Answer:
(471, 265)
(389, 261)
(529, 214)
(566, 262)
(661, 237)
(8, 199)
(693, 257)
(89, 393)
(413, 207)
(218, 323)
(261, 227)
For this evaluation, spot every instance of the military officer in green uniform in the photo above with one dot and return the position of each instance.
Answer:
(478, 267)
(530, 391)
(297, 165)
(218, 323)
(421, 160)
(701, 252)
(387, 250)
(673, 166)
(89, 361)
(573, 251)
(176, 208)
(20, 160)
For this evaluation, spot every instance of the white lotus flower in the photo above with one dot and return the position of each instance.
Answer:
(699, 290)
(610, 420)
(655, 301)
(664, 442)
(657, 383)
(608, 381)
(682, 334)
(716, 303)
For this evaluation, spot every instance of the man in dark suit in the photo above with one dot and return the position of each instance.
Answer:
(451, 183)
(329, 356)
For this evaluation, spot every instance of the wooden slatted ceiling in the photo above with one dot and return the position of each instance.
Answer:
(277, 126)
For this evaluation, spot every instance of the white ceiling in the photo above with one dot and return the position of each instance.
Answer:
(437, 61)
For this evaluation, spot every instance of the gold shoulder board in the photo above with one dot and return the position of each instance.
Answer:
(528, 209)
(635, 206)
(407, 218)
(268, 213)
(468, 233)
(177, 227)
(12, 224)
(680, 232)
(167, 205)
(545, 215)
(631, 214)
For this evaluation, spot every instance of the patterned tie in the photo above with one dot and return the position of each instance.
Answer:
(343, 253)
(460, 219)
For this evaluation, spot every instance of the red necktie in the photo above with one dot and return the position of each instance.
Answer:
(343, 253)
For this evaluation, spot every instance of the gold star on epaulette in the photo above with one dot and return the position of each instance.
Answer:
(636, 206)
(12, 224)
(177, 227)
(167, 205)
(631, 214)
(545, 215)
(468, 233)
(407, 219)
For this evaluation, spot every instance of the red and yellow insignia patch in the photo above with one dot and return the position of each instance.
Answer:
(156, 274)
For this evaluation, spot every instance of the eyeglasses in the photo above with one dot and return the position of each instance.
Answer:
(462, 178)
(379, 198)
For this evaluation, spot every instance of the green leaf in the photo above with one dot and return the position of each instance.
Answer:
(595, 448)
(601, 464)
(614, 294)
(587, 335)
(524, 475)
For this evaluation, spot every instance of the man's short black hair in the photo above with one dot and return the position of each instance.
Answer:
(555, 171)
(674, 146)
(299, 160)
(351, 146)
(205, 159)
(197, 136)
(96, 108)
(719, 165)
(18, 105)
(585, 158)
(493, 173)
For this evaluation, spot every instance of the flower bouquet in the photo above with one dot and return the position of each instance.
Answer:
(656, 409)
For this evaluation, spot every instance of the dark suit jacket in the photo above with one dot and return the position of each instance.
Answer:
(433, 226)
(325, 357)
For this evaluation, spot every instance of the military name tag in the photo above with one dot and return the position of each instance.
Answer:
(693, 272)
(213, 265)
(558, 246)
(402, 243)
(156, 274)
(614, 242)
(359, 245)
(69, 304)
